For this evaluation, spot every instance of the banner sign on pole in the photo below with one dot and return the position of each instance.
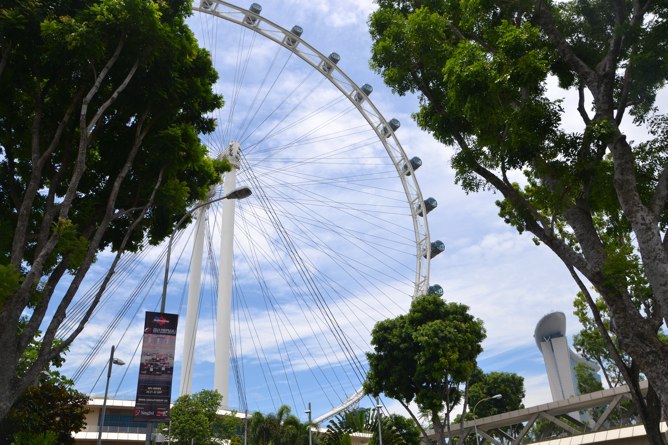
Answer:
(154, 388)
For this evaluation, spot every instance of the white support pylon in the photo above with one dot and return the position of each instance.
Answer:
(221, 379)
(194, 285)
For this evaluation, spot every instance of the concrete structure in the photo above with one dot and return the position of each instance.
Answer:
(560, 360)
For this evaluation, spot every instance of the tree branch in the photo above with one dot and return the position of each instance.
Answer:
(4, 57)
(658, 202)
(534, 221)
(100, 112)
(581, 106)
(543, 17)
(38, 163)
(415, 419)
(624, 96)
(140, 132)
(644, 222)
(80, 164)
(85, 129)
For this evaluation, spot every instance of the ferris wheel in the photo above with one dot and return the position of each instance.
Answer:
(334, 238)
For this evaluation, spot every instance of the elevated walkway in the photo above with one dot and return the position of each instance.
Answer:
(552, 423)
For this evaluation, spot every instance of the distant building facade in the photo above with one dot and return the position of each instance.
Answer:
(120, 427)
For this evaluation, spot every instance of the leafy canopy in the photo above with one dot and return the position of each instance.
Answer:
(425, 355)
(102, 104)
(493, 78)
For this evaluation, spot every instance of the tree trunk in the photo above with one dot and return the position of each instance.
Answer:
(439, 430)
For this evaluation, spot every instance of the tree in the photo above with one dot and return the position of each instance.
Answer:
(595, 198)
(260, 432)
(229, 427)
(480, 389)
(425, 356)
(405, 428)
(48, 411)
(102, 103)
(591, 344)
(600, 345)
(277, 429)
(52, 405)
(341, 428)
(508, 384)
(395, 429)
(193, 418)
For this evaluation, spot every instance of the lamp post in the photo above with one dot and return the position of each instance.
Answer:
(238, 193)
(475, 425)
(308, 411)
(112, 361)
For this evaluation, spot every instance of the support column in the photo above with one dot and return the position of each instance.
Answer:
(194, 285)
(221, 380)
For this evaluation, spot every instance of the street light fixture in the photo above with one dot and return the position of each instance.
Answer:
(238, 193)
(475, 425)
(112, 361)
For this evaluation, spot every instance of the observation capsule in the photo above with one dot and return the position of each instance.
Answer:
(415, 164)
(436, 248)
(290, 40)
(328, 64)
(429, 205)
(393, 124)
(366, 91)
(251, 19)
(435, 289)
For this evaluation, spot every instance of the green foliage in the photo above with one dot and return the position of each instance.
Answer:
(483, 386)
(395, 429)
(102, 106)
(590, 344)
(481, 403)
(587, 381)
(482, 71)
(10, 279)
(51, 405)
(194, 418)
(48, 412)
(71, 244)
(425, 355)
(343, 425)
(407, 431)
(281, 428)
(43, 438)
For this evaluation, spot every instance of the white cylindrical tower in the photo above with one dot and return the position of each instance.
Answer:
(192, 310)
(221, 380)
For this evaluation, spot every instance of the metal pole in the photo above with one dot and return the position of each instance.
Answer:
(246, 427)
(380, 431)
(310, 440)
(149, 433)
(475, 425)
(106, 392)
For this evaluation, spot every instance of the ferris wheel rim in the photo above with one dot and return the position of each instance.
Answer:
(337, 77)
(358, 96)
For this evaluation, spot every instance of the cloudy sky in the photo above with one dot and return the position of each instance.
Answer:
(503, 277)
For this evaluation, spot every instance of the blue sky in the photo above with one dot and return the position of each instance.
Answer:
(503, 277)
